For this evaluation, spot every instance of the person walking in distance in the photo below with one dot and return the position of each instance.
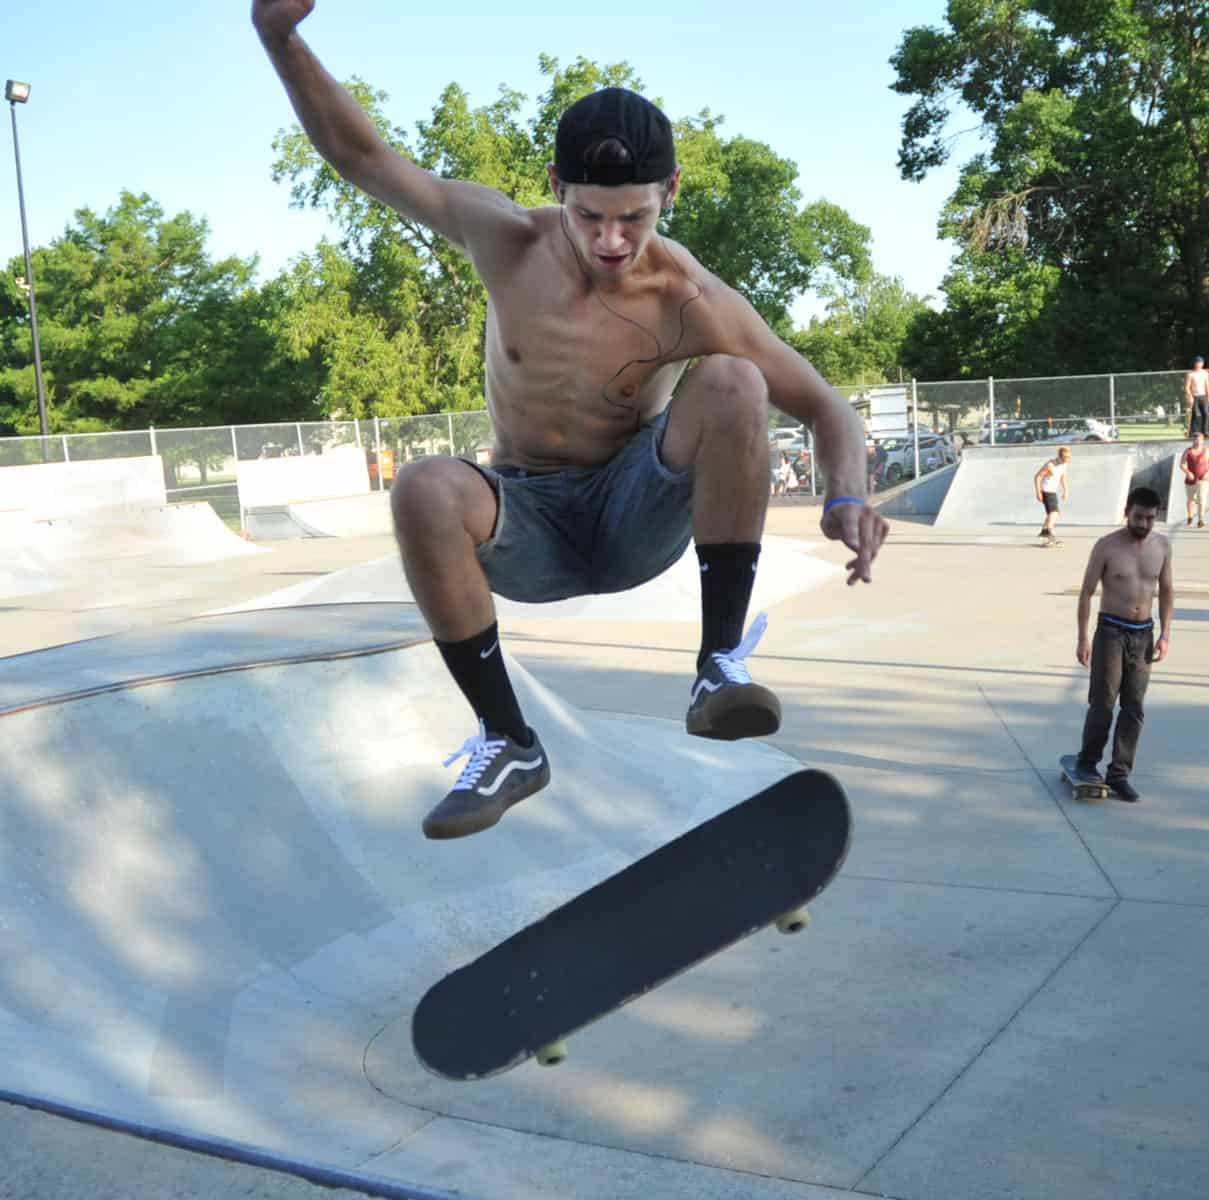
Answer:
(610, 451)
(1194, 462)
(1196, 396)
(1126, 565)
(1050, 482)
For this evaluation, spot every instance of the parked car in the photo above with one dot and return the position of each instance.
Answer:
(787, 433)
(935, 450)
(1056, 429)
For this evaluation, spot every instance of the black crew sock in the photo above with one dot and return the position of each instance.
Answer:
(477, 667)
(728, 571)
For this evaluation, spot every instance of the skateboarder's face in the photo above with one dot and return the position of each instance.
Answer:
(1140, 521)
(611, 226)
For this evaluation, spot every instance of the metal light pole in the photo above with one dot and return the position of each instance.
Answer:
(16, 93)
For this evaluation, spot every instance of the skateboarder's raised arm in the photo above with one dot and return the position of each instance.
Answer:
(476, 218)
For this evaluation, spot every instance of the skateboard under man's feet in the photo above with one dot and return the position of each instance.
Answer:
(1083, 789)
(757, 863)
(1051, 543)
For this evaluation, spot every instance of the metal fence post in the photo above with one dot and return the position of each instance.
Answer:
(154, 447)
(243, 523)
(991, 400)
(915, 423)
(1112, 401)
(298, 431)
(450, 418)
(813, 485)
(66, 452)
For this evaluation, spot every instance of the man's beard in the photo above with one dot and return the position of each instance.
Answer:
(1138, 535)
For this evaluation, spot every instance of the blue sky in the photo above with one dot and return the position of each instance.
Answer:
(178, 100)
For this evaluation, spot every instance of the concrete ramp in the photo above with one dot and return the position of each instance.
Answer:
(40, 555)
(921, 497)
(994, 486)
(346, 516)
(215, 897)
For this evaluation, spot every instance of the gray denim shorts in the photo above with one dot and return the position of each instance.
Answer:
(588, 530)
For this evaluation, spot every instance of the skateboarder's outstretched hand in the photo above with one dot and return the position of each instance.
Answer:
(275, 20)
(862, 529)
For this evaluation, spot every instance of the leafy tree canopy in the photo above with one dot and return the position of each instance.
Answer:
(1084, 216)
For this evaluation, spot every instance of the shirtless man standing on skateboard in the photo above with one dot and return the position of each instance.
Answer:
(1127, 565)
(609, 455)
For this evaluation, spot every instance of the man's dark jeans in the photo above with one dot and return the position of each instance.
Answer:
(1120, 667)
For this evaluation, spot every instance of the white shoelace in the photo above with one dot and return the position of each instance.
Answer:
(481, 752)
(732, 661)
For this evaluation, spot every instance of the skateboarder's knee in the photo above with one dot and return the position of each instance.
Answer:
(431, 494)
(733, 396)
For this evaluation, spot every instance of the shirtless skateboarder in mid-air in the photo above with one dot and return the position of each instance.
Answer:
(609, 455)
(1127, 565)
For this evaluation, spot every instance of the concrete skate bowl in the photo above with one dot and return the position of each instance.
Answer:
(217, 911)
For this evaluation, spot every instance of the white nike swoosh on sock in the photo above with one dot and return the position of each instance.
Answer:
(490, 649)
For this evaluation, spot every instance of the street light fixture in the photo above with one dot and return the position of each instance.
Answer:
(16, 92)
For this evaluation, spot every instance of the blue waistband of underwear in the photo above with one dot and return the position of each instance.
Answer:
(1108, 619)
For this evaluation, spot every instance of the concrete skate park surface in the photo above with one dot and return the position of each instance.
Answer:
(217, 909)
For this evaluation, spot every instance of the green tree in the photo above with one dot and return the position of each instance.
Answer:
(138, 326)
(862, 336)
(1084, 223)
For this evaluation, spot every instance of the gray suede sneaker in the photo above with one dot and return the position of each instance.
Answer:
(1086, 774)
(725, 703)
(1123, 789)
(500, 773)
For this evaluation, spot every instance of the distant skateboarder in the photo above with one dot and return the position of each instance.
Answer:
(1196, 395)
(1194, 462)
(1050, 482)
(1127, 565)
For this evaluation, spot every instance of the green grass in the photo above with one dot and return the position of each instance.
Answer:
(1153, 432)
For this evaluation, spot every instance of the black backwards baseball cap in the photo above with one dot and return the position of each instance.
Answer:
(614, 113)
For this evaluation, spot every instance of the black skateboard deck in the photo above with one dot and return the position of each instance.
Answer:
(1082, 791)
(754, 864)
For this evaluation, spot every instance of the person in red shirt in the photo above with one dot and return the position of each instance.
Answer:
(1195, 464)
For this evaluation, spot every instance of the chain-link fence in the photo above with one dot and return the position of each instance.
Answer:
(920, 426)
(201, 464)
(912, 428)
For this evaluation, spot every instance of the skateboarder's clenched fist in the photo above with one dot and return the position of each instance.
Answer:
(275, 20)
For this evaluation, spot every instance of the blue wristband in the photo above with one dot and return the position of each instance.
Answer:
(840, 500)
